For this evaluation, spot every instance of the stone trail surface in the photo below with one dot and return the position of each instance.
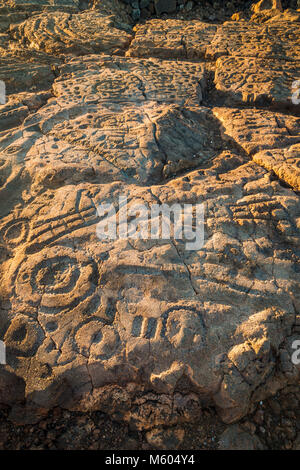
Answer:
(146, 330)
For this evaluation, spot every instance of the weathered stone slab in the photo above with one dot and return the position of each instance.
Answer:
(58, 33)
(255, 129)
(141, 143)
(195, 39)
(287, 15)
(168, 39)
(97, 313)
(147, 143)
(15, 11)
(143, 329)
(22, 76)
(284, 162)
(271, 15)
(254, 80)
(112, 79)
(119, 118)
(19, 106)
(273, 41)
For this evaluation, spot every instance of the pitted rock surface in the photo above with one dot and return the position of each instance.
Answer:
(71, 34)
(277, 40)
(172, 39)
(258, 129)
(285, 164)
(257, 81)
(170, 112)
(177, 38)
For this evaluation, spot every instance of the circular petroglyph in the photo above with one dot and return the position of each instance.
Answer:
(14, 232)
(184, 329)
(97, 340)
(23, 336)
(56, 279)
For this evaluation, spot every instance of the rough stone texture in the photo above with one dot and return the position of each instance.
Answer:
(77, 34)
(165, 439)
(125, 116)
(255, 129)
(235, 438)
(194, 39)
(171, 39)
(277, 40)
(145, 330)
(285, 164)
(25, 76)
(257, 81)
(263, 5)
(111, 312)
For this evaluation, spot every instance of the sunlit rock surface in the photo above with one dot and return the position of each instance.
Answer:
(168, 112)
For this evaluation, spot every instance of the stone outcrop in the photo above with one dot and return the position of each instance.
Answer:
(172, 39)
(83, 33)
(256, 80)
(168, 112)
(176, 38)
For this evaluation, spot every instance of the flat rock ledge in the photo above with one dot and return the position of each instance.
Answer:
(170, 111)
